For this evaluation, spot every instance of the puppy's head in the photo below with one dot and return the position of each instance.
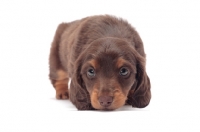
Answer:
(110, 70)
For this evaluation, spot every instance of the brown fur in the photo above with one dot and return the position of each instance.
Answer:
(106, 44)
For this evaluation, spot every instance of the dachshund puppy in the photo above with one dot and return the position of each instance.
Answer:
(105, 59)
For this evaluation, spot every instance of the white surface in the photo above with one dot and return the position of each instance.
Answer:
(170, 31)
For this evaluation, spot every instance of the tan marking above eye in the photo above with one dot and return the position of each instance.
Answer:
(120, 62)
(94, 63)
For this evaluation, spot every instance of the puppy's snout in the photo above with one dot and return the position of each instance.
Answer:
(105, 101)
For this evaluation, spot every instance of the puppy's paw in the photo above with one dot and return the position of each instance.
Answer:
(62, 94)
(62, 91)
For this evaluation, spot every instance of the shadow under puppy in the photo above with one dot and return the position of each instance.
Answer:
(105, 59)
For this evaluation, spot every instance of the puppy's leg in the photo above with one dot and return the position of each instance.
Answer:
(58, 76)
(61, 85)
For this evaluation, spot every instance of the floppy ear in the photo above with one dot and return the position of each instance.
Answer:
(140, 94)
(78, 94)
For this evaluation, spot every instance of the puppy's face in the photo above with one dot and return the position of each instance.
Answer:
(108, 73)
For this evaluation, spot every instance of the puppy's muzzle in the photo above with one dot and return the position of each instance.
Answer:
(105, 101)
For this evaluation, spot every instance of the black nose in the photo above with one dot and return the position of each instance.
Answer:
(105, 101)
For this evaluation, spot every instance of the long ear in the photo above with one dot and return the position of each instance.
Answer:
(140, 94)
(78, 94)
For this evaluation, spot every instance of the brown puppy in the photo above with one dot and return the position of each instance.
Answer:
(105, 59)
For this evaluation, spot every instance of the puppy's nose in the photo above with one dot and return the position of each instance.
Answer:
(105, 101)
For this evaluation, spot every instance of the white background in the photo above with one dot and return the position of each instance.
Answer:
(170, 31)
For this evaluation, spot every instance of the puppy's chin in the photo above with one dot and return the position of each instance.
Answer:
(107, 109)
(112, 107)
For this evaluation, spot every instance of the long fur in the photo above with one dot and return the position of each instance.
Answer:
(72, 44)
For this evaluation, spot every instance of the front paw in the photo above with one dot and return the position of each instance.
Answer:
(62, 91)
(62, 95)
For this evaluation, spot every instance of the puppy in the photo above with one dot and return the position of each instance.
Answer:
(105, 59)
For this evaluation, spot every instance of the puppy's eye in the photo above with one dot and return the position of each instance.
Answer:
(124, 71)
(91, 72)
